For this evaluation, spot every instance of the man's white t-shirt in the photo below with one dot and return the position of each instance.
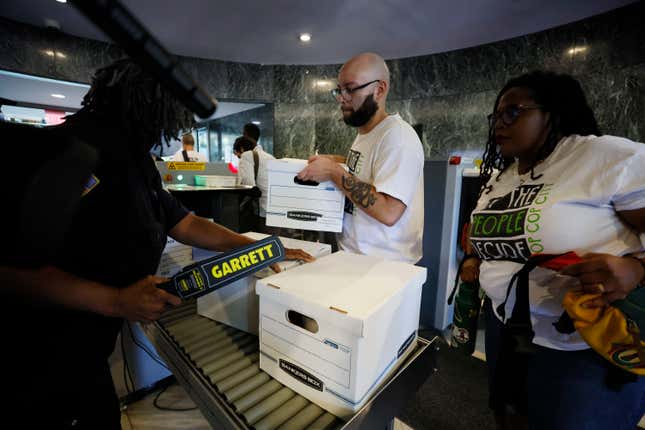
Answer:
(193, 156)
(571, 206)
(390, 157)
(246, 174)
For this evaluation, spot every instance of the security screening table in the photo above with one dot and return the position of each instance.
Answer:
(218, 367)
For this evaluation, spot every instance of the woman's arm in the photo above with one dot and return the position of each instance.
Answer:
(614, 277)
(197, 231)
(141, 301)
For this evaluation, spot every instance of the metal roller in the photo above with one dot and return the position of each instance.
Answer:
(304, 418)
(324, 422)
(282, 414)
(264, 408)
(228, 359)
(227, 371)
(239, 377)
(256, 396)
(247, 386)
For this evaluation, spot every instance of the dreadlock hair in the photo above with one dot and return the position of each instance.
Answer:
(559, 94)
(124, 93)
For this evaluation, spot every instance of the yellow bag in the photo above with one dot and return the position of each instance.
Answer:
(612, 331)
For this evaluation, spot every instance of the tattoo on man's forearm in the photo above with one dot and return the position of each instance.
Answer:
(361, 193)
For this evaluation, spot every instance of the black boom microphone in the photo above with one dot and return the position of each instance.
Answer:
(126, 30)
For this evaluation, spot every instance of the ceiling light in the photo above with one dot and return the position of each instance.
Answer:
(323, 83)
(256, 122)
(305, 37)
(58, 96)
(576, 50)
(60, 55)
(50, 53)
(61, 1)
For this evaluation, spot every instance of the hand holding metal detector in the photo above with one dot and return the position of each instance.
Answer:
(216, 272)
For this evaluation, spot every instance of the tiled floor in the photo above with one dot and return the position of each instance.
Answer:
(143, 415)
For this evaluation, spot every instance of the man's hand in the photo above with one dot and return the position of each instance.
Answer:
(320, 169)
(143, 301)
(293, 254)
(614, 277)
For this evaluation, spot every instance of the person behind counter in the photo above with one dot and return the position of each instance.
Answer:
(188, 153)
(253, 171)
(251, 131)
(384, 184)
(63, 319)
(586, 193)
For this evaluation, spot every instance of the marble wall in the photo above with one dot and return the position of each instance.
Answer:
(449, 94)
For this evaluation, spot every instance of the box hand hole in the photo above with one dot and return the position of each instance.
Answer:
(302, 321)
(299, 181)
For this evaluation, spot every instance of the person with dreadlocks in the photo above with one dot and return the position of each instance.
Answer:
(552, 184)
(104, 273)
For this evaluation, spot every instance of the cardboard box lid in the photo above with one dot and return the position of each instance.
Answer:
(315, 249)
(287, 164)
(345, 287)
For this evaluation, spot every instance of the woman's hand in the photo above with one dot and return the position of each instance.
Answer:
(470, 270)
(614, 277)
(293, 254)
(143, 301)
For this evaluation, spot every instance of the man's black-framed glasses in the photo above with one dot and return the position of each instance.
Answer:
(346, 93)
(509, 114)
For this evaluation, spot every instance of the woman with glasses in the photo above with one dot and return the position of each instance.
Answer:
(551, 184)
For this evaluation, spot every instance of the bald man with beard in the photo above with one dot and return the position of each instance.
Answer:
(383, 184)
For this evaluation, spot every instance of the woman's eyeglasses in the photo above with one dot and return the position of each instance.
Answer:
(509, 114)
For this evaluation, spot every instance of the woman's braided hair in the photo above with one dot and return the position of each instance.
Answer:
(559, 94)
(127, 95)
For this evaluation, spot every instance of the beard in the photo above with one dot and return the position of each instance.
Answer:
(363, 114)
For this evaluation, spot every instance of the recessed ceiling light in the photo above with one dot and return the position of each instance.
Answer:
(60, 55)
(61, 1)
(576, 50)
(323, 83)
(305, 37)
(50, 53)
(58, 96)
(256, 122)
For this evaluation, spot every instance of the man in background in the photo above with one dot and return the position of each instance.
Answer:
(188, 153)
(251, 131)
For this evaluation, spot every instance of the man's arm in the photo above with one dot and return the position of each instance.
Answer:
(380, 206)
(335, 157)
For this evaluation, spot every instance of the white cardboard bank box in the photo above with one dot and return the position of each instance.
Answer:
(361, 316)
(237, 304)
(308, 207)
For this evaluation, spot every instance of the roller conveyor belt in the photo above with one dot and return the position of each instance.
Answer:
(219, 368)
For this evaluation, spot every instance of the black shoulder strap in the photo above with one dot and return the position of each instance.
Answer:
(256, 165)
(185, 154)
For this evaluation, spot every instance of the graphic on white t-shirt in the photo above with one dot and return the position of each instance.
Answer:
(508, 226)
(354, 163)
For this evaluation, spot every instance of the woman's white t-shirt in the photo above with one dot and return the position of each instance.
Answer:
(572, 206)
